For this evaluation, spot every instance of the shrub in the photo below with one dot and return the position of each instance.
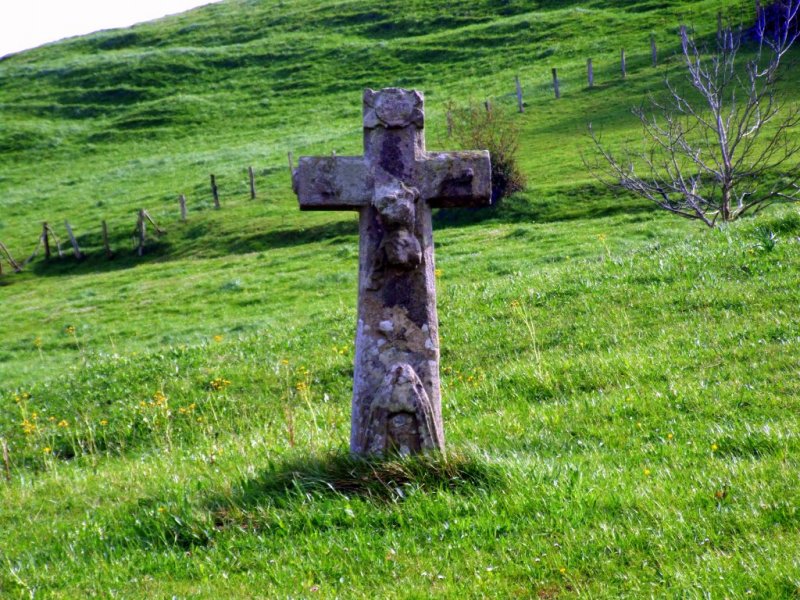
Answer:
(484, 127)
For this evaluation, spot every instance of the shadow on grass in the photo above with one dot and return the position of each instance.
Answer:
(284, 238)
(202, 239)
(95, 260)
(294, 495)
(568, 204)
(378, 479)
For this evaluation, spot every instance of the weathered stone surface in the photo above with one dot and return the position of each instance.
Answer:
(396, 390)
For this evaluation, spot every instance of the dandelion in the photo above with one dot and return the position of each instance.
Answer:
(515, 304)
(301, 386)
(669, 436)
(28, 427)
(714, 447)
(602, 237)
(161, 509)
(159, 398)
(47, 449)
(438, 273)
(103, 422)
(37, 342)
(284, 362)
(63, 423)
(218, 338)
(51, 419)
(219, 383)
(647, 472)
(70, 330)
(562, 570)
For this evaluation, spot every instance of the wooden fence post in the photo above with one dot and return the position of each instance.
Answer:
(555, 83)
(58, 242)
(14, 264)
(520, 104)
(182, 202)
(106, 245)
(46, 240)
(653, 50)
(75, 248)
(622, 64)
(215, 191)
(141, 228)
(252, 176)
(590, 72)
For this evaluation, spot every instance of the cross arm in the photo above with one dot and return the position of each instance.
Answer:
(452, 179)
(332, 183)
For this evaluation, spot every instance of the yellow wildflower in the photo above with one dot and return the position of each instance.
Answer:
(63, 423)
(218, 338)
(47, 449)
(70, 330)
(714, 447)
(103, 422)
(219, 383)
(669, 436)
(647, 472)
(37, 342)
(438, 272)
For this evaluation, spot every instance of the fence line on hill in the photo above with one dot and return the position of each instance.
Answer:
(143, 216)
(48, 234)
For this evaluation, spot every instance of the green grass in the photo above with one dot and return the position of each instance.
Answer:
(620, 387)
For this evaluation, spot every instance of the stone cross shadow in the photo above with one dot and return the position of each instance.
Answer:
(396, 390)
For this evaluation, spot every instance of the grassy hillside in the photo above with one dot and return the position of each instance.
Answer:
(620, 387)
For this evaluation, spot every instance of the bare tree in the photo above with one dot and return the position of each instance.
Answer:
(721, 144)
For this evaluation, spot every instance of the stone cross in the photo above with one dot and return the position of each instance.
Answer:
(396, 391)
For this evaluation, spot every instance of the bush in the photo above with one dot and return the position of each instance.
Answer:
(485, 127)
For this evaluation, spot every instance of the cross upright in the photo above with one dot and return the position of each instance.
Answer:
(396, 390)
